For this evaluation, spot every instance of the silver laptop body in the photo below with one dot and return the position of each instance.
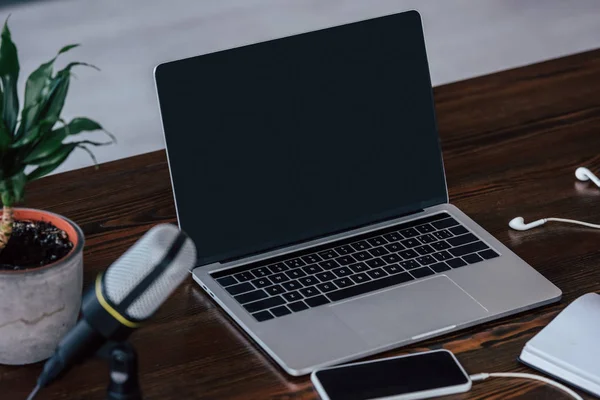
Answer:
(376, 321)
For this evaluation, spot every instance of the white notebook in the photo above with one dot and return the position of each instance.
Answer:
(569, 347)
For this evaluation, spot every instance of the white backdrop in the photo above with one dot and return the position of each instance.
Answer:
(127, 38)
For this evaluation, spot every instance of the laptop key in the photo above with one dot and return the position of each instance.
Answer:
(443, 234)
(260, 272)
(409, 233)
(325, 276)
(391, 258)
(279, 267)
(279, 278)
(422, 272)
(378, 251)
(227, 281)
(295, 273)
(345, 260)
(456, 262)
(440, 267)
(343, 282)
(425, 228)
(317, 301)
(309, 291)
(462, 239)
(362, 256)
(370, 286)
(377, 273)
(410, 243)
(424, 250)
(468, 248)
(329, 264)
(244, 276)
(472, 258)
(489, 254)
(239, 288)
(343, 250)
(458, 230)
(342, 271)
(441, 245)
(292, 296)
(377, 241)
(280, 311)
(311, 259)
(408, 254)
(410, 264)
(294, 263)
(262, 282)
(361, 245)
(445, 223)
(394, 247)
(442, 256)
(360, 278)
(326, 287)
(392, 237)
(312, 269)
(376, 262)
(359, 267)
(328, 254)
(263, 316)
(291, 285)
(393, 269)
(427, 238)
(251, 296)
(308, 281)
(274, 290)
(264, 304)
(297, 306)
(426, 260)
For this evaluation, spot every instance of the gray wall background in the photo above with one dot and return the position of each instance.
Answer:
(127, 38)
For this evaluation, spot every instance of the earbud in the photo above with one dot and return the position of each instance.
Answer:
(519, 224)
(584, 174)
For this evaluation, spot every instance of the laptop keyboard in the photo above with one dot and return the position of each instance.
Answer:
(353, 267)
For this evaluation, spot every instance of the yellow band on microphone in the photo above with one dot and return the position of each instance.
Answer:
(109, 308)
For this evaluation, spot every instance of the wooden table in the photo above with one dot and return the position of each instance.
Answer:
(511, 142)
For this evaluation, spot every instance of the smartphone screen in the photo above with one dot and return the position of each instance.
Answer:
(393, 376)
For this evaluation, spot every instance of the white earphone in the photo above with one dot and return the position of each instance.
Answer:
(583, 174)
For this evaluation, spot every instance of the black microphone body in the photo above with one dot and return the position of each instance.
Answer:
(92, 331)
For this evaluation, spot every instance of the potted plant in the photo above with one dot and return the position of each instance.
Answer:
(41, 258)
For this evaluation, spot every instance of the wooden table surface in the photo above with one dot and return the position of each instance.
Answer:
(511, 143)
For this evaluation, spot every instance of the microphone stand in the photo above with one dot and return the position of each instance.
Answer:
(123, 371)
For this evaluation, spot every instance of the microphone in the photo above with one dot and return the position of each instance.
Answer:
(584, 174)
(129, 292)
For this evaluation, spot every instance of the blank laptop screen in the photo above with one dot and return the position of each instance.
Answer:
(296, 138)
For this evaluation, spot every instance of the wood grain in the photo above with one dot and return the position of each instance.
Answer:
(511, 142)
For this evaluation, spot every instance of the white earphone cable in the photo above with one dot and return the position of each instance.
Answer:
(572, 221)
(483, 376)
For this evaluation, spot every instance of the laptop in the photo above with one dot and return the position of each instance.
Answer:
(308, 171)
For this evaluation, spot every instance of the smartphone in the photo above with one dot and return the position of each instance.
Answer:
(414, 376)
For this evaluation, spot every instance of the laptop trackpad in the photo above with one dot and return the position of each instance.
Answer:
(409, 311)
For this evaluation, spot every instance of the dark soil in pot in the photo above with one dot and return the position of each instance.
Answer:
(34, 244)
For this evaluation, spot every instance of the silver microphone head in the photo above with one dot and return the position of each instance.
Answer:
(146, 274)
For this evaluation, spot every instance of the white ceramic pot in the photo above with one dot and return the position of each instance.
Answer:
(39, 306)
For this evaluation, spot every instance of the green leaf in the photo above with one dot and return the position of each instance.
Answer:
(9, 74)
(34, 133)
(52, 162)
(49, 143)
(13, 188)
(5, 138)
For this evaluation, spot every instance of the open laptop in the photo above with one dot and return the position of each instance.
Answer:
(308, 171)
